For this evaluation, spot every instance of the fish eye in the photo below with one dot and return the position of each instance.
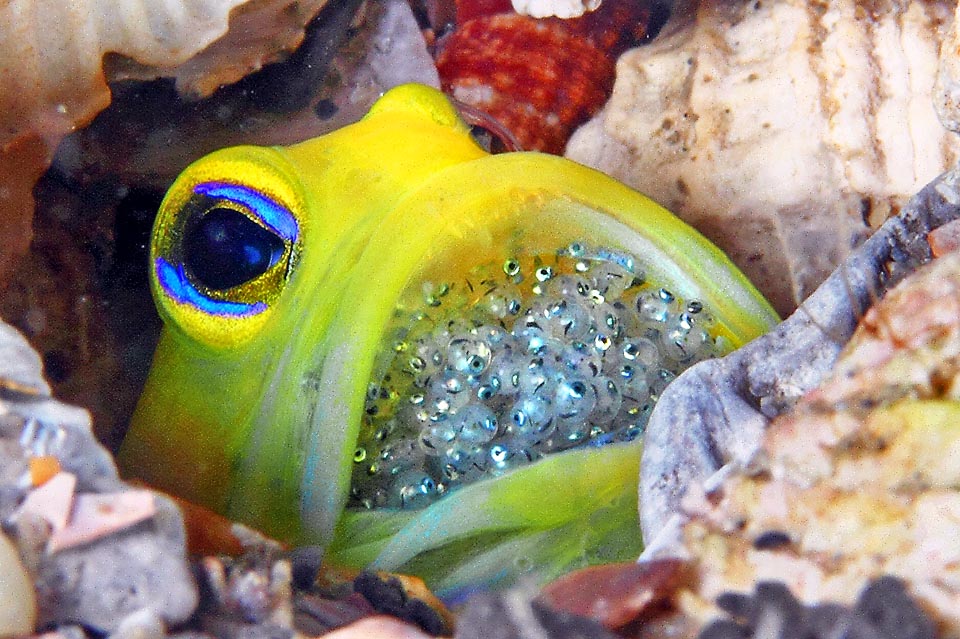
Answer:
(222, 254)
(224, 249)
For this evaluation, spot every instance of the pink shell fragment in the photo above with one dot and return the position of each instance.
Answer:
(51, 500)
(98, 515)
(944, 239)
(378, 627)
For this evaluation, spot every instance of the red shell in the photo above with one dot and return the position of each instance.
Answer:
(540, 78)
(616, 595)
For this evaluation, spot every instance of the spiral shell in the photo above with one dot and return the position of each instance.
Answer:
(539, 78)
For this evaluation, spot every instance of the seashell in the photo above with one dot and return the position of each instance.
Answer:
(554, 8)
(18, 605)
(57, 58)
(54, 76)
(807, 125)
(858, 481)
(539, 78)
(947, 90)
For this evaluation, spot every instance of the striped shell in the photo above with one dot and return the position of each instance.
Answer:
(539, 78)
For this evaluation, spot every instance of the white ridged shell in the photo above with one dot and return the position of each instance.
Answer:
(555, 8)
(784, 130)
(52, 52)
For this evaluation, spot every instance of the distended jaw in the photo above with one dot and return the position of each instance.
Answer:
(514, 361)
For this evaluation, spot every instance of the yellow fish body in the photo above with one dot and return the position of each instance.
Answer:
(339, 316)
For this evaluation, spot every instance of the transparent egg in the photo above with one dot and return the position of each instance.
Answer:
(506, 368)
(609, 397)
(610, 279)
(572, 431)
(414, 489)
(475, 424)
(399, 456)
(538, 377)
(504, 456)
(437, 437)
(530, 418)
(468, 354)
(580, 358)
(654, 307)
(569, 287)
(574, 398)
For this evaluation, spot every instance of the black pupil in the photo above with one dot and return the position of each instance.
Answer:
(224, 249)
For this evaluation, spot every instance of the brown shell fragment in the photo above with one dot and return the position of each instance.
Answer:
(944, 239)
(405, 597)
(22, 162)
(616, 594)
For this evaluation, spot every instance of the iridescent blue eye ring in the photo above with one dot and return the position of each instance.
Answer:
(216, 252)
(275, 217)
(174, 281)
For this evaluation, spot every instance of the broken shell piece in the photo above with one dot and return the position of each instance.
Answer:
(382, 627)
(98, 515)
(56, 60)
(859, 480)
(616, 594)
(784, 131)
(18, 606)
(22, 367)
(255, 587)
(51, 75)
(51, 501)
(944, 239)
(405, 597)
(947, 92)
(554, 8)
(540, 79)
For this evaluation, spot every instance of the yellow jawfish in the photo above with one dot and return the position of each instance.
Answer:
(423, 357)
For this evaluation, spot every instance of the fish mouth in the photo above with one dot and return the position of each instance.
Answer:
(517, 359)
(580, 296)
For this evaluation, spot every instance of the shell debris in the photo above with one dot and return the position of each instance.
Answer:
(555, 8)
(857, 485)
(57, 58)
(785, 131)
